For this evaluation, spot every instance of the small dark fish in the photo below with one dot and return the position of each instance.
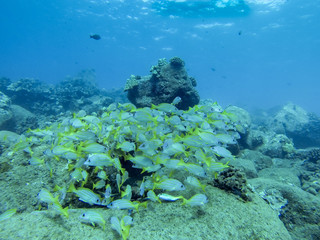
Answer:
(213, 69)
(95, 36)
(239, 33)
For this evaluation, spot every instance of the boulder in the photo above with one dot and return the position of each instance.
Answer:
(297, 209)
(299, 125)
(260, 161)
(276, 145)
(254, 139)
(5, 111)
(166, 82)
(31, 94)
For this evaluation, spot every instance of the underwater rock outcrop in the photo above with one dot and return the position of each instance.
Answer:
(21, 120)
(276, 145)
(4, 83)
(15, 118)
(71, 94)
(166, 82)
(31, 94)
(296, 208)
(299, 125)
(5, 112)
(24, 99)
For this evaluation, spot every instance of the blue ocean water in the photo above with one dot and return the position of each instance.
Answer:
(250, 53)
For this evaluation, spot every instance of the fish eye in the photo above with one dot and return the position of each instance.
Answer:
(83, 215)
(97, 200)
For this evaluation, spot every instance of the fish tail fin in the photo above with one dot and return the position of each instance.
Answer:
(71, 188)
(155, 122)
(144, 204)
(56, 199)
(182, 163)
(154, 186)
(177, 138)
(144, 169)
(57, 188)
(136, 206)
(184, 201)
(64, 211)
(125, 232)
(203, 187)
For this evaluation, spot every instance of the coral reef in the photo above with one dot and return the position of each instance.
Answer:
(71, 94)
(166, 82)
(4, 83)
(28, 98)
(233, 180)
(73, 91)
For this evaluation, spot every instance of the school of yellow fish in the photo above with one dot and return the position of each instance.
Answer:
(174, 149)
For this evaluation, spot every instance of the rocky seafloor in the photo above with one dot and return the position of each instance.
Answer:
(277, 164)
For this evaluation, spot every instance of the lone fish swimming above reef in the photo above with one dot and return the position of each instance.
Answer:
(95, 36)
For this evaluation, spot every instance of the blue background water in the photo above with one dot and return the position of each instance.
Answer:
(252, 53)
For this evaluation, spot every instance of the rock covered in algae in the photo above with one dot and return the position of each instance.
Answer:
(167, 81)
(5, 111)
(222, 218)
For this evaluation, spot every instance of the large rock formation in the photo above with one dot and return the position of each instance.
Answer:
(5, 111)
(298, 124)
(166, 82)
